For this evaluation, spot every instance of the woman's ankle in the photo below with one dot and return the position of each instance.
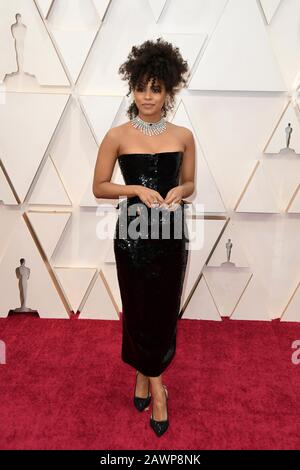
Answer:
(142, 375)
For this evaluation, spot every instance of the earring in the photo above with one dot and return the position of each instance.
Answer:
(164, 110)
(166, 103)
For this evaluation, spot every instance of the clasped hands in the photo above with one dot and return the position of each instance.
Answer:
(152, 198)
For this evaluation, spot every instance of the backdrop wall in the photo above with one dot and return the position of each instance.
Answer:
(59, 94)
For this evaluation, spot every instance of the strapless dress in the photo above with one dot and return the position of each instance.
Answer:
(150, 269)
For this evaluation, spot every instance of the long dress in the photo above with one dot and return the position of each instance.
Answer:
(150, 270)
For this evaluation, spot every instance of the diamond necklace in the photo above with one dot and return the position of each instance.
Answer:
(149, 128)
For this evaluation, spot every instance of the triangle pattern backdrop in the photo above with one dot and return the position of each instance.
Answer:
(60, 92)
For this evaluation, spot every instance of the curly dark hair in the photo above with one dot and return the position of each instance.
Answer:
(159, 60)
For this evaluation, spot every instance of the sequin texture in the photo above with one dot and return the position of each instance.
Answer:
(150, 270)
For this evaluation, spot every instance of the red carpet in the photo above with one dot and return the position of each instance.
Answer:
(232, 385)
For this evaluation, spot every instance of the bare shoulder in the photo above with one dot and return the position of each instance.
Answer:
(117, 132)
(121, 128)
(181, 130)
(183, 133)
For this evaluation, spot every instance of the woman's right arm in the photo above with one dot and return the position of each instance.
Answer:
(104, 167)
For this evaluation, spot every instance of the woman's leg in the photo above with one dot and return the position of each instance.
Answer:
(142, 385)
(158, 393)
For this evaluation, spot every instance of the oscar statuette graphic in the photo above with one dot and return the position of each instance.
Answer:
(23, 274)
(288, 134)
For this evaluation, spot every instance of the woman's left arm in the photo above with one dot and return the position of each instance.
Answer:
(187, 176)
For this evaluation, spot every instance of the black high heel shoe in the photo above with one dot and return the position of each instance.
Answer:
(141, 404)
(160, 427)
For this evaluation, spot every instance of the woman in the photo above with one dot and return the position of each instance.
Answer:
(157, 161)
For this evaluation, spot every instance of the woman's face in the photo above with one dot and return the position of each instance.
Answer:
(153, 95)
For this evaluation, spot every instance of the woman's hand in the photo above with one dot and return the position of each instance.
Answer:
(174, 196)
(149, 196)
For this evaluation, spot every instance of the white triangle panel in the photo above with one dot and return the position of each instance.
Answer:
(110, 255)
(271, 244)
(232, 131)
(253, 303)
(190, 45)
(203, 234)
(44, 6)
(294, 207)
(85, 240)
(71, 15)
(206, 197)
(112, 45)
(237, 253)
(37, 45)
(8, 220)
(101, 112)
(6, 194)
(99, 305)
(259, 195)
(74, 282)
(110, 273)
(74, 151)
(285, 39)
(292, 313)
(48, 227)
(49, 189)
(278, 139)
(74, 25)
(283, 175)
(41, 292)
(269, 8)
(23, 151)
(101, 7)
(201, 305)
(74, 47)
(229, 63)
(157, 7)
(226, 286)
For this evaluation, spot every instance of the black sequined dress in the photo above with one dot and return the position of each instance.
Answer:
(150, 269)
